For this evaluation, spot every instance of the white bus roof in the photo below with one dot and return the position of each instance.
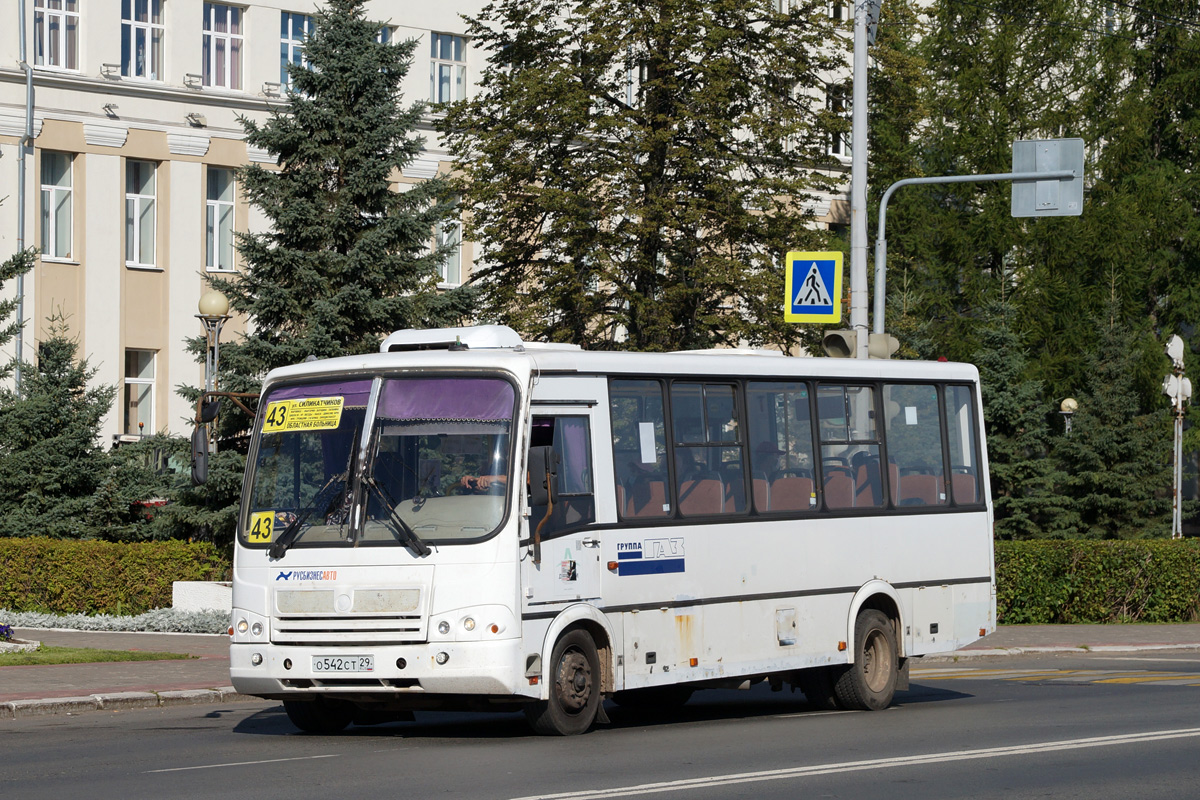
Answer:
(497, 346)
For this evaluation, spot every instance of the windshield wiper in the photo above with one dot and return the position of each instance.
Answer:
(410, 536)
(323, 499)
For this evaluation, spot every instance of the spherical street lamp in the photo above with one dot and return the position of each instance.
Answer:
(214, 311)
(1068, 408)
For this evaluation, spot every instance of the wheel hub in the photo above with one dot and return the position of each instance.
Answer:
(574, 680)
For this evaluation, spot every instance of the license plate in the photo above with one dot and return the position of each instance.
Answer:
(343, 663)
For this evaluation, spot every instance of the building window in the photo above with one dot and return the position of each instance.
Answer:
(448, 234)
(222, 48)
(386, 35)
(836, 103)
(837, 11)
(219, 235)
(292, 30)
(140, 179)
(447, 68)
(56, 33)
(141, 39)
(56, 205)
(139, 392)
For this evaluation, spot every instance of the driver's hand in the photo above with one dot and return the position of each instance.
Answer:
(469, 482)
(482, 483)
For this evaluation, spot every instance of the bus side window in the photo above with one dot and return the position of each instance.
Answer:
(779, 421)
(850, 464)
(914, 444)
(964, 460)
(570, 436)
(639, 448)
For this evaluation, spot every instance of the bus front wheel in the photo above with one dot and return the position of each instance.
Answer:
(574, 688)
(869, 683)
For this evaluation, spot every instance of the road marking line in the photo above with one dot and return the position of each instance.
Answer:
(241, 763)
(857, 766)
(1150, 678)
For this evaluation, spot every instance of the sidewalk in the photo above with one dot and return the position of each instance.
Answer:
(204, 678)
(75, 688)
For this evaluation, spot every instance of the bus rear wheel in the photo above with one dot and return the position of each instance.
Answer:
(574, 688)
(869, 683)
(320, 715)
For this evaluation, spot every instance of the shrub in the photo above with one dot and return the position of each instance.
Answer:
(1075, 581)
(91, 577)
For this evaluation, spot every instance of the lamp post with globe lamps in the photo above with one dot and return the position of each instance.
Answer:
(1067, 409)
(214, 312)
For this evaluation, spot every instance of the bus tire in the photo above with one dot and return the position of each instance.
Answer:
(320, 715)
(654, 698)
(869, 683)
(574, 688)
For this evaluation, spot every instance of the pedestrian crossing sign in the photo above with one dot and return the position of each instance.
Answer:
(813, 287)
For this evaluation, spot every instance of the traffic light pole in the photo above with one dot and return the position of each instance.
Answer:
(881, 239)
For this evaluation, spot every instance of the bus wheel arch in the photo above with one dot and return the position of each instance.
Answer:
(588, 618)
(577, 675)
(882, 597)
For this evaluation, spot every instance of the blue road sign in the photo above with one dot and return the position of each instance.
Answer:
(813, 287)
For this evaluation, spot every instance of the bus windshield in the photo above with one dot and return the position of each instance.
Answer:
(432, 465)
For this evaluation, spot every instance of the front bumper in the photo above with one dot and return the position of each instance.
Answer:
(474, 668)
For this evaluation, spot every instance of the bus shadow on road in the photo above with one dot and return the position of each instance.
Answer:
(707, 706)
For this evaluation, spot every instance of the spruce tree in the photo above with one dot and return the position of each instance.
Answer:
(1116, 462)
(50, 459)
(17, 264)
(636, 171)
(1024, 481)
(347, 258)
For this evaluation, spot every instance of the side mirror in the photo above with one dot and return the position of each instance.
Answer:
(543, 476)
(199, 455)
(209, 408)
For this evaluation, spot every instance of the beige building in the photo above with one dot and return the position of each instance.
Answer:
(130, 188)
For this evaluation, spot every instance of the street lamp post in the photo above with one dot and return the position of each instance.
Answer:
(1068, 408)
(214, 312)
(1179, 389)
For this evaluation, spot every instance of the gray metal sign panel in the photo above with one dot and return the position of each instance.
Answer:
(1060, 197)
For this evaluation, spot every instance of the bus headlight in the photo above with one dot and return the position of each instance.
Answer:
(469, 624)
(256, 629)
(242, 626)
(443, 627)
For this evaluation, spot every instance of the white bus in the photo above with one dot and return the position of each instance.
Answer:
(466, 520)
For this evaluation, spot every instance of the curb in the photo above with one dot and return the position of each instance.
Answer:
(1018, 651)
(118, 701)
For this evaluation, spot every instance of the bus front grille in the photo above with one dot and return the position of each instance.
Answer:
(349, 631)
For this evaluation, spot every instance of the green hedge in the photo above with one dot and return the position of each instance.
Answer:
(94, 577)
(1036, 581)
(1151, 580)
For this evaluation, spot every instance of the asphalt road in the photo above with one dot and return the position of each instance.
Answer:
(1077, 726)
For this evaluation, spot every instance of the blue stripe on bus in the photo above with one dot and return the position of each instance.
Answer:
(627, 554)
(657, 566)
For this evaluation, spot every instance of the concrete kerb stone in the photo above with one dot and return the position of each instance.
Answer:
(118, 701)
(48, 707)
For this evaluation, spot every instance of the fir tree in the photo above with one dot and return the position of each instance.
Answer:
(1116, 462)
(347, 258)
(1024, 491)
(635, 171)
(50, 462)
(18, 264)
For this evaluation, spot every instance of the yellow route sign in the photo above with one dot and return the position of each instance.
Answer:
(309, 414)
(262, 525)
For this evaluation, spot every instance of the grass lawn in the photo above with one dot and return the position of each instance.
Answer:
(47, 654)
